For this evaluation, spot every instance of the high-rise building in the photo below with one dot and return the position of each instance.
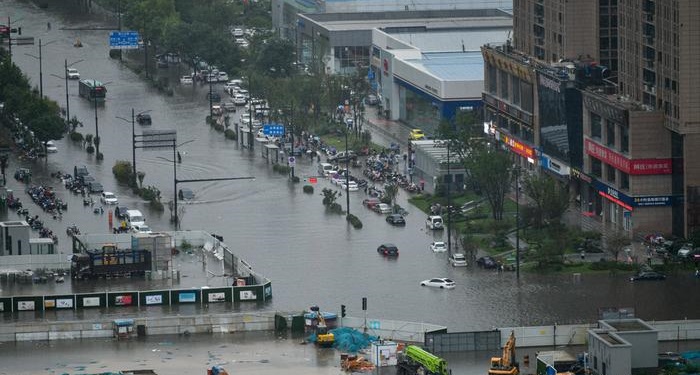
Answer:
(554, 30)
(640, 122)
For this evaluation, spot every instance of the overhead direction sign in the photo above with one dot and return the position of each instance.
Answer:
(124, 39)
(157, 139)
(274, 130)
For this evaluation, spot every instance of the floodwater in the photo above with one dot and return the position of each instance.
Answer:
(311, 256)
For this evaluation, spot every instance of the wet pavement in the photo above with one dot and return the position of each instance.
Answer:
(312, 257)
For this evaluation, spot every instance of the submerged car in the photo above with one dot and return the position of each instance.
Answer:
(382, 208)
(388, 249)
(648, 275)
(109, 198)
(441, 282)
(73, 73)
(395, 219)
(438, 247)
(458, 260)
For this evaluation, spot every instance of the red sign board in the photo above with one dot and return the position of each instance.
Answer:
(517, 147)
(313, 180)
(629, 166)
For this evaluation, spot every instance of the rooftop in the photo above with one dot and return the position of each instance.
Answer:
(418, 20)
(451, 66)
(628, 325)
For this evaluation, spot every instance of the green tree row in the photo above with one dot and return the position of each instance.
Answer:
(24, 110)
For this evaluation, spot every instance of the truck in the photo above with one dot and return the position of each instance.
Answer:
(415, 360)
(324, 338)
(505, 364)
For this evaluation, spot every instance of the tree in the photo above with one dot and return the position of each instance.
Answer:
(391, 191)
(329, 196)
(492, 171)
(549, 199)
(47, 128)
(275, 58)
(616, 242)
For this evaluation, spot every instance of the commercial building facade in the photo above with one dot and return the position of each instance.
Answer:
(635, 64)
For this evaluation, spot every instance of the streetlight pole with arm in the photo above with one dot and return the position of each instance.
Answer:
(41, 70)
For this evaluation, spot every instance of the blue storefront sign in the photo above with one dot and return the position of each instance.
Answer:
(639, 201)
(649, 201)
(553, 165)
(612, 193)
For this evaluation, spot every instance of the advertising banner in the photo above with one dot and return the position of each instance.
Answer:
(247, 295)
(64, 303)
(629, 166)
(155, 299)
(25, 305)
(91, 301)
(187, 297)
(124, 300)
(217, 297)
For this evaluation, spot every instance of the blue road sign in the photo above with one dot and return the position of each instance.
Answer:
(124, 39)
(274, 130)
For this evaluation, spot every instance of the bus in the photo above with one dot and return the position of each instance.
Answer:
(92, 90)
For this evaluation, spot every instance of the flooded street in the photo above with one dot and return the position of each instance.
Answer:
(311, 256)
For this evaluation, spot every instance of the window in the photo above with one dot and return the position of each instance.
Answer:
(596, 167)
(611, 173)
(504, 86)
(610, 136)
(625, 138)
(596, 130)
(624, 181)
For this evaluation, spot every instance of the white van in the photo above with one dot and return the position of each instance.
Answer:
(135, 218)
(324, 169)
(434, 222)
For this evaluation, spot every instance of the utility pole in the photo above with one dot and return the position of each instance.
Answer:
(41, 74)
(449, 202)
(517, 222)
(251, 139)
(65, 74)
(291, 125)
(347, 173)
(133, 144)
(97, 128)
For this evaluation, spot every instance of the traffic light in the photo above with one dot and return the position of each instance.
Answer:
(342, 311)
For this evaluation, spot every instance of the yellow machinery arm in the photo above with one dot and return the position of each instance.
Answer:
(505, 365)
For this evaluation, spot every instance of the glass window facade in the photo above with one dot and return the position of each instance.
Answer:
(596, 126)
(418, 111)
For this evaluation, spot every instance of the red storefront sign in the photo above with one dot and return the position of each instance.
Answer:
(518, 147)
(629, 166)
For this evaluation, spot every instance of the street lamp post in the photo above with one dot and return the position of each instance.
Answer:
(133, 140)
(517, 222)
(97, 128)
(449, 202)
(41, 70)
(347, 174)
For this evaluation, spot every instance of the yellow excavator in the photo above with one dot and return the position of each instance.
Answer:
(505, 364)
(323, 337)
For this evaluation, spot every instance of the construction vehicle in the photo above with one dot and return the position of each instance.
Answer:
(418, 361)
(505, 364)
(324, 338)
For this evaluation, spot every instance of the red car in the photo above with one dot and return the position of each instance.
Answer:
(371, 202)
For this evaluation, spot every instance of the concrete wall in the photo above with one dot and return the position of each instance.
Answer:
(616, 358)
(223, 323)
(577, 334)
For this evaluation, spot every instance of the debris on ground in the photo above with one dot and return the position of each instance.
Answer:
(351, 340)
(353, 363)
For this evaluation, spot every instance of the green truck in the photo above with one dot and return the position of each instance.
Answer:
(414, 358)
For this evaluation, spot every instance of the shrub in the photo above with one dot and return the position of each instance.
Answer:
(90, 149)
(295, 179)
(218, 127)
(100, 156)
(230, 134)
(354, 220)
(308, 189)
(336, 208)
(282, 169)
(156, 205)
(76, 137)
(123, 171)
